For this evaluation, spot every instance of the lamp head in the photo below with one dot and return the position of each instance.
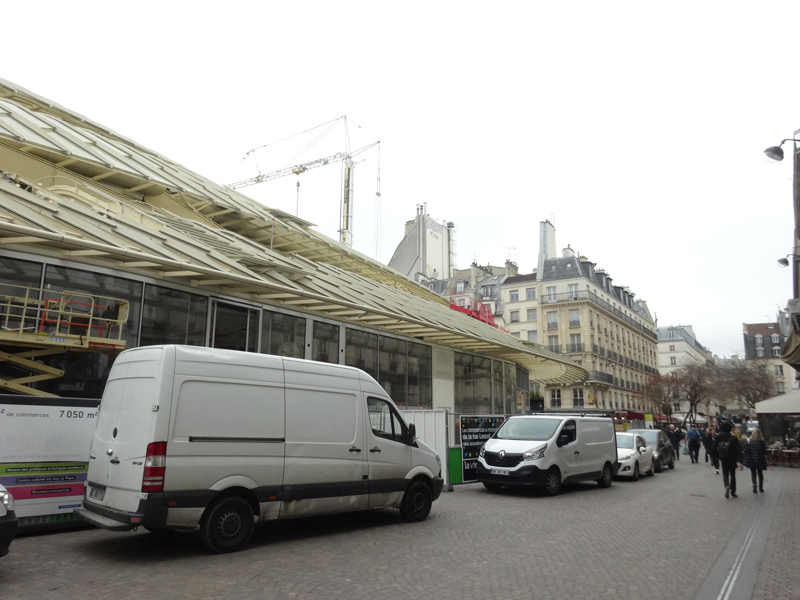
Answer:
(783, 262)
(774, 153)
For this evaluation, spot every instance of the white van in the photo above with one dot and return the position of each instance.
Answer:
(190, 436)
(547, 450)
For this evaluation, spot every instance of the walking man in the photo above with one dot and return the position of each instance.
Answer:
(694, 438)
(672, 435)
(729, 453)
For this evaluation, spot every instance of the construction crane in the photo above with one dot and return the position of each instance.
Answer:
(346, 207)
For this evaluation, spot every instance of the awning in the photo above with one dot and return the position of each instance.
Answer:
(783, 404)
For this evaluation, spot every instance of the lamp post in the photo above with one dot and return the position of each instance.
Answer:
(776, 153)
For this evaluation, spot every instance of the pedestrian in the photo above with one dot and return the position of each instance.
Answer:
(693, 439)
(672, 435)
(708, 444)
(729, 452)
(757, 455)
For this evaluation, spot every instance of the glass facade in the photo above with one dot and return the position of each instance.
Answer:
(325, 343)
(234, 327)
(173, 317)
(283, 335)
(420, 376)
(361, 351)
(20, 272)
(392, 369)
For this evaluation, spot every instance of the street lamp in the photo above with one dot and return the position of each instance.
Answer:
(776, 152)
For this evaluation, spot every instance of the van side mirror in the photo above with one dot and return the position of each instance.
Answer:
(412, 433)
(563, 440)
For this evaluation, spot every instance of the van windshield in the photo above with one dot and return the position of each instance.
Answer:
(528, 429)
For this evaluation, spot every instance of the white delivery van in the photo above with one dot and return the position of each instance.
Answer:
(547, 450)
(190, 436)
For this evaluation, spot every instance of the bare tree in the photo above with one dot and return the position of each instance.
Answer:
(660, 393)
(745, 383)
(696, 384)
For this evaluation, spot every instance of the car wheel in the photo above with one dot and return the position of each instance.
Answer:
(658, 466)
(651, 472)
(607, 478)
(635, 476)
(552, 482)
(492, 487)
(227, 525)
(417, 502)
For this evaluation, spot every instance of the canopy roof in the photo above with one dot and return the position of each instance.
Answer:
(90, 195)
(783, 404)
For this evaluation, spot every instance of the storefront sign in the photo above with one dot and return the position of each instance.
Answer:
(475, 430)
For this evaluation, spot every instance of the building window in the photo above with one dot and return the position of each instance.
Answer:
(569, 265)
(575, 343)
(361, 351)
(780, 387)
(555, 398)
(776, 351)
(552, 344)
(459, 287)
(762, 369)
(574, 317)
(513, 296)
(759, 340)
(759, 352)
(552, 320)
(533, 336)
(577, 397)
(515, 316)
(673, 360)
(551, 294)
(530, 293)
(672, 348)
(671, 333)
(779, 370)
(573, 291)
(775, 338)
(515, 334)
(531, 314)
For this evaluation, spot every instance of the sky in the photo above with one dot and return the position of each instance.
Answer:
(637, 128)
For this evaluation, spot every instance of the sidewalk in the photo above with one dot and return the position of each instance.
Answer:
(779, 573)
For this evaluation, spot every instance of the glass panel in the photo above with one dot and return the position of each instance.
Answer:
(283, 335)
(252, 331)
(325, 345)
(20, 272)
(509, 398)
(85, 374)
(420, 376)
(361, 351)
(173, 317)
(230, 327)
(392, 375)
(58, 279)
(463, 403)
(483, 389)
(497, 386)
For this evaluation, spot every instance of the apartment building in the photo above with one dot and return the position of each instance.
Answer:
(574, 309)
(762, 345)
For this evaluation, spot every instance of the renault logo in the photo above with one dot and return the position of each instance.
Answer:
(502, 454)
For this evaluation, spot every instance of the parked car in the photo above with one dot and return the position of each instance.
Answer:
(548, 450)
(661, 447)
(634, 456)
(8, 520)
(215, 438)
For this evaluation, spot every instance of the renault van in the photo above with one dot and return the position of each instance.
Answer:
(217, 439)
(547, 450)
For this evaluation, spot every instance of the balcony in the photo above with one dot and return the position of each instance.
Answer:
(555, 348)
(552, 325)
(575, 348)
(600, 376)
(574, 323)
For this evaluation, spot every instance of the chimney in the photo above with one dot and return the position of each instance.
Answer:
(511, 268)
(568, 252)
(547, 243)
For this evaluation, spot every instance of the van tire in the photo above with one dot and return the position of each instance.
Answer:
(607, 478)
(552, 482)
(227, 525)
(417, 502)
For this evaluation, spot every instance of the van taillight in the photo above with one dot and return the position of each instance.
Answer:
(155, 464)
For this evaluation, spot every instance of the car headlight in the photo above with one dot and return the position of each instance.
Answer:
(534, 454)
(8, 500)
(483, 451)
(626, 457)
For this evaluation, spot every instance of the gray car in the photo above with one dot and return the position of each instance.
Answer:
(662, 449)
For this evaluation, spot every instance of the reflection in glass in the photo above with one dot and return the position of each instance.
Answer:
(420, 376)
(20, 272)
(325, 343)
(463, 384)
(231, 326)
(173, 317)
(283, 335)
(510, 396)
(497, 387)
(361, 351)
(392, 373)
(482, 368)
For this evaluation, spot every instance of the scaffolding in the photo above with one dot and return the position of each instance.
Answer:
(39, 322)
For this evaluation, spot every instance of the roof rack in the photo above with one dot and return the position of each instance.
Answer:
(569, 413)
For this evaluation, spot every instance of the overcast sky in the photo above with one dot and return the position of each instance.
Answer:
(639, 130)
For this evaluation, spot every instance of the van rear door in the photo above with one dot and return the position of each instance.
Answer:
(124, 429)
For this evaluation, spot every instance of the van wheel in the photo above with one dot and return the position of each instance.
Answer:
(227, 525)
(607, 478)
(552, 482)
(492, 487)
(417, 502)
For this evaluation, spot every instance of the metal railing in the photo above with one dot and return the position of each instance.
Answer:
(575, 348)
(574, 323)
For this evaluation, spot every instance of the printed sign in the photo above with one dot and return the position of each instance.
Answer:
(475, 430)
(44, 452)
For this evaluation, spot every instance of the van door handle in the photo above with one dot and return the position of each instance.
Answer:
(354, 449)
(114, 461)
(576, 452)
(375, 449)
(92, 456)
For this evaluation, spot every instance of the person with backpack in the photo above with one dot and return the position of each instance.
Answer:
(694, 439)
(729, 453)
(757, 454)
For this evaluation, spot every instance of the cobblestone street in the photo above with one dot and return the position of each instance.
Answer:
(656, 538)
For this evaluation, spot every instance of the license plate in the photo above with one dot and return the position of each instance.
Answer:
(500, 471)
(96, 493)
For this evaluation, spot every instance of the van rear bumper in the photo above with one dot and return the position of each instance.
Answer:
(531, 476)
(150, 513)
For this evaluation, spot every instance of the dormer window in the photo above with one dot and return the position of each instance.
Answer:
(569, 265)
(759, 340)
(775, 338)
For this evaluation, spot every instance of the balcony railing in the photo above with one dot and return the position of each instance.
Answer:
(575, 348)
(552, 325)
(556, 348)
(600, 376)
(574, 323)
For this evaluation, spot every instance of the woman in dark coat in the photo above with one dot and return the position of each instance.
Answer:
(757, 455)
